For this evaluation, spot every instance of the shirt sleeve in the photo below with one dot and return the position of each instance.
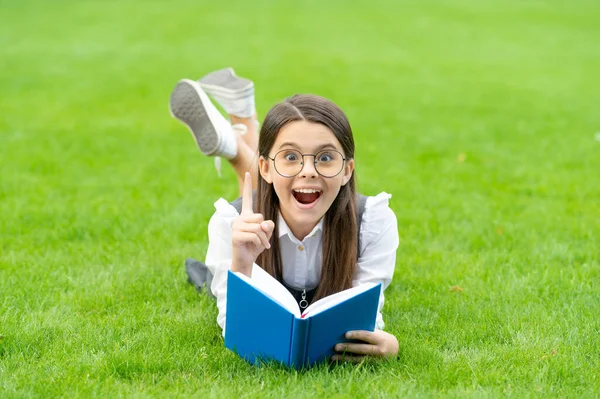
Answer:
(220, 254)
(378, 244)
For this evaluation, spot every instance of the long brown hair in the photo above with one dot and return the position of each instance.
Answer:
(340, 252)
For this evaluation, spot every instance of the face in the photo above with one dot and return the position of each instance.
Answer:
(300, 205)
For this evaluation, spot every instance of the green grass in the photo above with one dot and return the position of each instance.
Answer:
(478, 116)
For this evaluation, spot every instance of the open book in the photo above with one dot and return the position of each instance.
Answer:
(264, 321)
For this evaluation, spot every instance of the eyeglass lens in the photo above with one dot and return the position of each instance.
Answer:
(328, 163)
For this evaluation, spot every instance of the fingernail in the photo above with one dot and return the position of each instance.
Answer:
(348, 335)
(339, 347)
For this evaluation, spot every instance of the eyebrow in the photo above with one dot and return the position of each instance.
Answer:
(319, 148)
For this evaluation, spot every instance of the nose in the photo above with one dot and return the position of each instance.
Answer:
(308, 169)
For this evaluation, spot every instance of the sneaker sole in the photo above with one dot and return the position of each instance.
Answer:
(186, 105)
(226, 83)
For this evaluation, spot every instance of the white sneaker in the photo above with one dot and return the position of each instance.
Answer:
(234, 94)
(212, 132)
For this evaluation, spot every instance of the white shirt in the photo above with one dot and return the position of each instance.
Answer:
(302, 259)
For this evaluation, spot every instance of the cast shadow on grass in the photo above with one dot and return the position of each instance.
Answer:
(366, 365)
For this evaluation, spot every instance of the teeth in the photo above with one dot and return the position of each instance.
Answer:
(307, 190)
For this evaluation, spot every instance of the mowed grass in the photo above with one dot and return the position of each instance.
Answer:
(480, 118)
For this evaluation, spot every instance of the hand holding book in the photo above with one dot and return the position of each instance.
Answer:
(250, 233)
(264, 321)
(374, 343)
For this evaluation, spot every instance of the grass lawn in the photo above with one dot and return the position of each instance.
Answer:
(481, 119)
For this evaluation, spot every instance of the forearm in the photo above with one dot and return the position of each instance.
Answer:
(241, 268)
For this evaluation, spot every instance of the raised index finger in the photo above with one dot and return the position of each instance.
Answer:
(247, 196)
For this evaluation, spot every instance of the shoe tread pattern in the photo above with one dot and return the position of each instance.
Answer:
(187, 106)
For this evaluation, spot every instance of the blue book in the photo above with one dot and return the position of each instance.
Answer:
(264, 321)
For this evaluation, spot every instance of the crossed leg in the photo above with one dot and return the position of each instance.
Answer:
(246, 159)
(236, 139)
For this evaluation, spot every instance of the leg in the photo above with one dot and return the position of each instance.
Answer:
(213, 134)
(246, 160)
(236, 95)
(251, 136)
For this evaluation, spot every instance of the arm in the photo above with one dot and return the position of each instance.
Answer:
(219, 255)
(379, 242)
(234, 241)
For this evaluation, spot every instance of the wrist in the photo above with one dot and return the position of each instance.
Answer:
(242, 268)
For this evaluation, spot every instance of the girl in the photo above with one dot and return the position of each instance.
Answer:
(302, 225)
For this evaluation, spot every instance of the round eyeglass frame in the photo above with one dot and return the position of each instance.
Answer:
(344, 159)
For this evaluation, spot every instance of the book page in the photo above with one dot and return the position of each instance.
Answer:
(272, 288)
(332, 300)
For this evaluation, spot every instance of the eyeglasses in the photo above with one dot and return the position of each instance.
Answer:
(328, 163)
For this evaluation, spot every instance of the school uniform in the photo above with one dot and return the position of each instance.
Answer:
(301, 259)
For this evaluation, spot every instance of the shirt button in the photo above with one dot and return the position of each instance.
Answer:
(301, 248)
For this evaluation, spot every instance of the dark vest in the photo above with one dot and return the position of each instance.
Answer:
(302, 296)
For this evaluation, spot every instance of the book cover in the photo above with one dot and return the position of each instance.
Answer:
(264, 321)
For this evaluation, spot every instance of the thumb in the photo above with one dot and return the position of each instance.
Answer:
(267, 226)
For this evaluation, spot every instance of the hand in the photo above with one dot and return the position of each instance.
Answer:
(376, 344)
(250, 233)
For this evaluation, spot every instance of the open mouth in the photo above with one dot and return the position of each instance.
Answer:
(306, 196)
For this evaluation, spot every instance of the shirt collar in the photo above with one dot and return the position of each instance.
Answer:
(285, 229)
